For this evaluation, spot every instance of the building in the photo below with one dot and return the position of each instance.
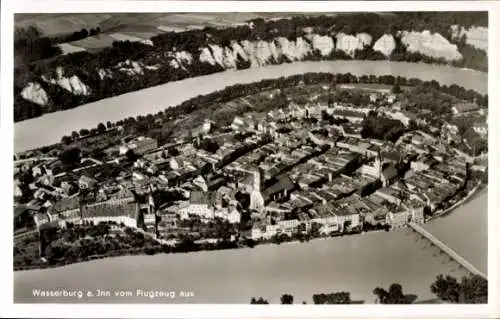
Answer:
(388, 175)
(481, 129)
(86, 182)
(462, 108)
(200, 204)
(351, 116)
(278, 190)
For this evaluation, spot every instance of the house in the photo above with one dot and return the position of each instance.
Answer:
(18, 193)
(86, 182)
(481, 129)
(462, 108)
(388, 175)
(403, 117)
(351, 116)
(54, 167)
(278, 190)
(200, 204)
(41, 219)
(67, 208)
(387, 194)
(230, 214)
(393, 157)
(67, 187)
(399, 217)
(140, 145)
(23, 215)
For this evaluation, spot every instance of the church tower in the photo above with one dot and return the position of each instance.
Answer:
(378, 164)
(256, 199)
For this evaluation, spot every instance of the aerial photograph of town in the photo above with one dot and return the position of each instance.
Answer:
(251, 158)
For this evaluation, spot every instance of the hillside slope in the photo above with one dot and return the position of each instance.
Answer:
(81, 77)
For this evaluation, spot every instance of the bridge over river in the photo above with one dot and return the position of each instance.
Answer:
(444, 248)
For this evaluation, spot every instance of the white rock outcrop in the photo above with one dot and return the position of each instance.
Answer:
(286, 48)
(302, 48)
(350, 43)
(33, 92)
(274, 51)
(249, 49)
(323, 44)
(263, 53)
(229, 58)
(130, 67)
(183, 57)
(217, 54)
(206, 56)
(72, 84)
(104, 73)
(238, 51)
(385, 44)
(430, 44)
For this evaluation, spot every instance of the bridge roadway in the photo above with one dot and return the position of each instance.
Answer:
(450, 252)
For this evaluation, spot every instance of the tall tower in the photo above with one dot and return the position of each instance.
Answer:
(256, 199)
(378, 164)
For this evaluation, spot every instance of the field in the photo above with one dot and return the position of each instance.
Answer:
(94, 43)
(60, 23)
(131, 26)
(67, 48)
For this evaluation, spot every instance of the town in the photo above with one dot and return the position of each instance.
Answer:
(333, 159)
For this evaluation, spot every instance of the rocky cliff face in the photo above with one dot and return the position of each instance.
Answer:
(33, 92)
(385, 44)
(72, 84)
(430, 44)
(350, 43)
(278, 50)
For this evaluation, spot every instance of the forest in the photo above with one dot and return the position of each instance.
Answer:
(37, 55)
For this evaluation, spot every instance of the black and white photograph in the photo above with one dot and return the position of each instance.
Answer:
(268, 157)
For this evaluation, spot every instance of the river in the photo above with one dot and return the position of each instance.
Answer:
(357, 264)
(49, 128)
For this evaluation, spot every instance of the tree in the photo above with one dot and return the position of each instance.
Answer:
(396, 89)
(332, 298)
(286, 299)
(259, 301)
(474, 289)
(101, 128)
(84, 132)
(471, 290)
(70, 156)
(131, 156)
(109, 125)
(84, 33)
(66, 140)
(446, 288)
(75, 135)
(395, 295)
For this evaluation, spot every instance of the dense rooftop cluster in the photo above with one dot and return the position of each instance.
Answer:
(307, 169)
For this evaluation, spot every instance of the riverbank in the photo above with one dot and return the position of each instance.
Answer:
(27, 134)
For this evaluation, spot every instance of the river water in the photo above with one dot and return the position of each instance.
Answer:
(357, 264)
(51, 127)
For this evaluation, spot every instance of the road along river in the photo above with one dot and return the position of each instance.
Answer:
(356, 264)
(49, 128)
